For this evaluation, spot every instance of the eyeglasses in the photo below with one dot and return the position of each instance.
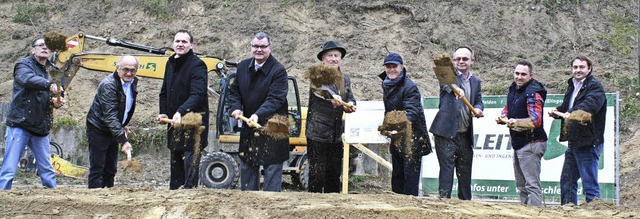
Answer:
(40, 45)
(464, 59)
(129, 70)
(260, 46)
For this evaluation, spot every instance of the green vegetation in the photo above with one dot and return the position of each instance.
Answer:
(630, 95)
(25, 12)
(66, 121)
(622, 35)
(157, 8)
(147, 140)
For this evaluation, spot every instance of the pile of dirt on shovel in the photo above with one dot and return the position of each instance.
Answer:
(396, 125)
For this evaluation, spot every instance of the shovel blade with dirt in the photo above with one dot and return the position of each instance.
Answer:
(446, 74)
(277, 126)
(130, 164)
(323, 77)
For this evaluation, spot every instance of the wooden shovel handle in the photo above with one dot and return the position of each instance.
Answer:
(165, 120)
(558, 113)
(456, 89)
(128, 154)
(254, 124)
(344, 103)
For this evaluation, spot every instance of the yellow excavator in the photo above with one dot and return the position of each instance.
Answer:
(219, 166)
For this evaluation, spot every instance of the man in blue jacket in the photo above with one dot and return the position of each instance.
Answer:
(453, 127)
(30, 115)
(184, 90)
(585, 139)
(110, 112)
(400, 93)
(259, 92)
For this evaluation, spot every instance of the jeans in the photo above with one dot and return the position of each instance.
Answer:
(250, 177)
(458, 153)
(183, 173)
(103, 158)
(580, 162)
(16, 140)
(526, 167)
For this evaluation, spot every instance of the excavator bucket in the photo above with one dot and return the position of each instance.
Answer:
(66, 168)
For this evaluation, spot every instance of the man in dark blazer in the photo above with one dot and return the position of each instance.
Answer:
(184, 90)
(111, 111)
(259, 92)
(453, 127)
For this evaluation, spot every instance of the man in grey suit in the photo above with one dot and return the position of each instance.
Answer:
(454, 143)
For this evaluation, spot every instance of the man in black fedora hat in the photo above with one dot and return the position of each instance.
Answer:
(325, 125)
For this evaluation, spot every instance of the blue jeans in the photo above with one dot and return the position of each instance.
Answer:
(580, 162)
(16, 140)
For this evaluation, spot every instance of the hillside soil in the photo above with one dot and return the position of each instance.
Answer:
(547, 33)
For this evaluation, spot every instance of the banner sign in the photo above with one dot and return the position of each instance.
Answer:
(492, 171)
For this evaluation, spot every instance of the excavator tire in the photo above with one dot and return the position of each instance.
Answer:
(301, 179)
(219, 170)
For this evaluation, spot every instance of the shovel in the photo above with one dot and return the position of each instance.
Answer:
(277, 126)
(131, 164)
(322, 76)
(446, 75)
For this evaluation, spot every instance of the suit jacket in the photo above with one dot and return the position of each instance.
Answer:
(184, 90)
(264, 93)
(107, 110)
(445, 124)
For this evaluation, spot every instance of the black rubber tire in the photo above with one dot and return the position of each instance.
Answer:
(301, 179)
(219, 170)
(56, 149)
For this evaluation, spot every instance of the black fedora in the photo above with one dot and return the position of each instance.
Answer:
(329, 45)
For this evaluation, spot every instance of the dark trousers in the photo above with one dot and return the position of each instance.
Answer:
(325, 166)
(405, 175)
(103, 158)
(250, 177)
(183, 173)
(455, 153)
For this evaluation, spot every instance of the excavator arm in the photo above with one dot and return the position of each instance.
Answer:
(151, 65)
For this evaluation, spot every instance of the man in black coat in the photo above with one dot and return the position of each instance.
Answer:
(586, 139)
(325, 125)
(110, 112)
(400, 93)
(259, 92)
(184, 90)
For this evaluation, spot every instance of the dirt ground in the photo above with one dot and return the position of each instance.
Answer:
(547, 33)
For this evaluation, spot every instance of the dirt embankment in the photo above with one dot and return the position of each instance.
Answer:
(547, 33)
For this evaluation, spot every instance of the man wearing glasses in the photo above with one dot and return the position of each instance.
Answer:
(110, 112)
(259, 92)
(454, 143)
(30, 115)
(184, 90)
